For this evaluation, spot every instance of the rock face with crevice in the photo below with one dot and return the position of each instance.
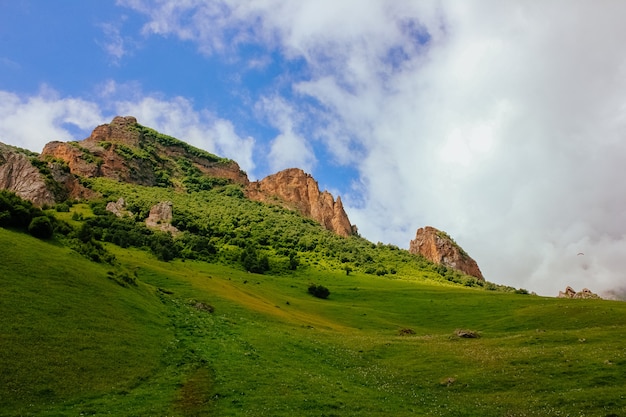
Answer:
(441, 249)
(19, 175)
(296, 190)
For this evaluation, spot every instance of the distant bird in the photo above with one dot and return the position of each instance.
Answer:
(580, 253)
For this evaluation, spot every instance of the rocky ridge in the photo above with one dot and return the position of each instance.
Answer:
(126, 151)
(296, 190)
(441, 249)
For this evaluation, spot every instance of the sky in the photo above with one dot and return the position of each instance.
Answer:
(501, 122)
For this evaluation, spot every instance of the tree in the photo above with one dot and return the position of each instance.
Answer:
(252, 262)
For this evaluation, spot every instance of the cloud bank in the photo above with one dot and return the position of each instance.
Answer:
(501, 123)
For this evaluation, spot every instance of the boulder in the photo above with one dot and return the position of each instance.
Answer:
(160, 218)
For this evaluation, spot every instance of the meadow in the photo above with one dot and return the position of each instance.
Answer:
(143, 337)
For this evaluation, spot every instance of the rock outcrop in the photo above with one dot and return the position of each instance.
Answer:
(118, 208)
(440, 248)
(296, 190)
(19, 175)
(160, 217)
(571, 293)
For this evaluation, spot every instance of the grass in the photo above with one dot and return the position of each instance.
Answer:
(73, 341)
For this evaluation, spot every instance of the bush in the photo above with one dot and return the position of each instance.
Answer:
(40, 227)
(319, 291)
(62, 208)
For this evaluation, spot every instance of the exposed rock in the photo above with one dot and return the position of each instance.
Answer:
(569, 293)
(585, 293)
(441, 249)
(466, 334)
(296, 190)
(120, 130)
(118, 208)
(160, 217)
(18, 174)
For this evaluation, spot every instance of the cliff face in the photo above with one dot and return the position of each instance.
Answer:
(296, 190)
(439, 248)
(46, 182)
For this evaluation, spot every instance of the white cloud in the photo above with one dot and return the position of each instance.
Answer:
(500, 122)
(114, 44)
(289, 149)
(32, 121)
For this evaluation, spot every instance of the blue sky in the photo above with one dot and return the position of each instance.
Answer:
(501, 123)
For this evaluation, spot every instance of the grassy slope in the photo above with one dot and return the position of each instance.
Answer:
(74, 341)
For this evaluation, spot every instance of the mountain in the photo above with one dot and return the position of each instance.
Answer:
(126, 151)
(441, 249)
(129, 153)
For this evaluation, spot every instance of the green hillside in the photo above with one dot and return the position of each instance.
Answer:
(132, 335)
(101, 315)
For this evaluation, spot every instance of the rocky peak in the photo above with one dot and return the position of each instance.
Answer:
(296, 190)
(119, 130)
(441, 249)
(126, 151)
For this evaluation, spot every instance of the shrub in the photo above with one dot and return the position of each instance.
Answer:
(40, 227)
(62, 208)
(319, 291)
